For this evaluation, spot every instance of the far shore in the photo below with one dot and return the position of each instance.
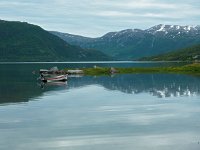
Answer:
(192, 69)
(100, 62)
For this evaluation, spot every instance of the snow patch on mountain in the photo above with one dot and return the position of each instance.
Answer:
(172, 29)
(162, 28)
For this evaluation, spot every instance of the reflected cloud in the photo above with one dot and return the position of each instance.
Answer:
(185, 140)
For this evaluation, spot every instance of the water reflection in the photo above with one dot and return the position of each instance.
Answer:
(16, 89)
(44, 85)
(121, 112)
(160, 85)
(18, 84)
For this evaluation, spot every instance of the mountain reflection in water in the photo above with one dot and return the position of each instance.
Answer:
(24, 87)
(160, 85)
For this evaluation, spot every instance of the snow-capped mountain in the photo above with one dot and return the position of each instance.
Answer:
(167, 28)
(173, 29)
(137, 43)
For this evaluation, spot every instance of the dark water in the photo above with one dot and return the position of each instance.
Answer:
(121, 112)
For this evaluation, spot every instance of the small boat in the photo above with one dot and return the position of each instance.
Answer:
(52, 75)
(53, 78)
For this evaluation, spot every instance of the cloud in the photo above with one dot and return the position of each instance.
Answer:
(135, 15)
(114, 14)
(144, 4)
(94, 18)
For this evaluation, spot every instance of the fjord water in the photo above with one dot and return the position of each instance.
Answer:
(131, 111)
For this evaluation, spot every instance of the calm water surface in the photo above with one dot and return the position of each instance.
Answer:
(121, 112)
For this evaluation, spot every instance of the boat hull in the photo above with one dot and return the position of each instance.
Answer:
(55, 79)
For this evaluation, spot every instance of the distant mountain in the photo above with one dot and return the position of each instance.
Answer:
(136, 43)
(186, 54)
(20, 41)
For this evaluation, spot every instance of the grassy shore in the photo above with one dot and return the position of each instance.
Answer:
(193, 69)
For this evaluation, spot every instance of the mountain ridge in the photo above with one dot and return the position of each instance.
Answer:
(131, 44)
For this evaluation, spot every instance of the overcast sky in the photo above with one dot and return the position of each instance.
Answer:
(94, 18)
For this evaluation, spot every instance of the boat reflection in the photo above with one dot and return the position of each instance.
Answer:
(43, 85)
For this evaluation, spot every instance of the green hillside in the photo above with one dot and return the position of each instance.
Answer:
(20, 41)
(186, 54)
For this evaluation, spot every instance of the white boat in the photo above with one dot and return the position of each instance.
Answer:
(52, 75)
(53, 78)
(50, 71)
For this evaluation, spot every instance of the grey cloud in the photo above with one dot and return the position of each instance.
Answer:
(94, 18)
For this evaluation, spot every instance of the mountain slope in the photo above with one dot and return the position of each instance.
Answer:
(136, 43)
(20, 41)
(186, 54)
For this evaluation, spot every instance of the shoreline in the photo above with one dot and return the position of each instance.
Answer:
(192, 69)
(92, 62)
